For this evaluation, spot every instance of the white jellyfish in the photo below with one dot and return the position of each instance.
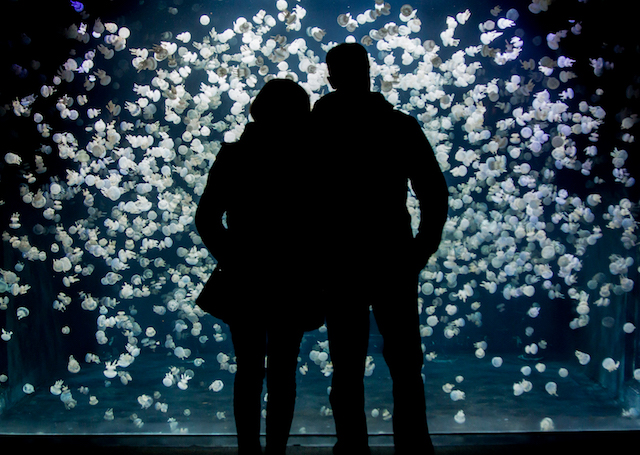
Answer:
(551, 388)
(583, 357)
(216, 385)
(547, 424)
(28, 388)
(73, 365)
(168, 380)
(610, 365)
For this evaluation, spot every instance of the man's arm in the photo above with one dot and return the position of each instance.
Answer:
(432, 193)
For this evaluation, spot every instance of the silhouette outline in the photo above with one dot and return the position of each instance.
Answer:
(250, 217)
(370, 256)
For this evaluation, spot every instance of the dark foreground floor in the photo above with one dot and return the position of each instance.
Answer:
(583, 443)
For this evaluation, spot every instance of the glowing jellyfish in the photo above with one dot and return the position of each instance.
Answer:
(12, 158)
(460, 417)
(457, 395)
(628, 327)
(110, 370)
(518, 389)
(547, 424)
(28, 389)
(73, 365)
(22, 312)
(204, 19)
(406, 10)
(496, 362)
(610, 365)
(583, 357)
(551, 388)
(344, 19)
(78, 7)
(168, 380)
(216, 385)
(6, 336)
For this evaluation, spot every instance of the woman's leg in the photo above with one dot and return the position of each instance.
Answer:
(283, 346)
(249, 342)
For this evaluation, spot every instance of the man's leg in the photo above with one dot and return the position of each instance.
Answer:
(397, 319)
(348, 332)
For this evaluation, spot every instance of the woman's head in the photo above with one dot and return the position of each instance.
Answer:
(280, 99)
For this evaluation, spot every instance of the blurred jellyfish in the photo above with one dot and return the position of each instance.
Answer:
(77, 6)
(583, 357)
(28, 389)
(73, 365)
(547, 424)
(216, 385)
(610, 365)
(551, 388)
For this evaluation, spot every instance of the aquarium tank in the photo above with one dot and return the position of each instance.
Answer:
(112, 114)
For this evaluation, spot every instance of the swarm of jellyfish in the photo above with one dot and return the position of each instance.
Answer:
(502, 128)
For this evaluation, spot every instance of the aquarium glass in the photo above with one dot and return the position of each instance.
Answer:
(112, 115)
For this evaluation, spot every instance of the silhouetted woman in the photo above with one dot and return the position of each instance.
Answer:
(253, 219)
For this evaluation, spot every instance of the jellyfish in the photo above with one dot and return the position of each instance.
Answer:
(610, 365)
(583, 357)
(22, 312)
(28, 389)
(551, 388)
(78, 7)
(145, 401)
(73, 365)
(547, 424)
(518, 389)
(216, 386)
(460, 417)
(183, 383)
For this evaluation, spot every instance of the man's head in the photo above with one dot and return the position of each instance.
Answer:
(348, 65)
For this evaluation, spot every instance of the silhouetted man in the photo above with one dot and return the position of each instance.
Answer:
(369, 152)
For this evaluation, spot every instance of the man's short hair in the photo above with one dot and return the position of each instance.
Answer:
(348, 65)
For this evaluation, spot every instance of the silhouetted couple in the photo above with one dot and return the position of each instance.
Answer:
(309, 211)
